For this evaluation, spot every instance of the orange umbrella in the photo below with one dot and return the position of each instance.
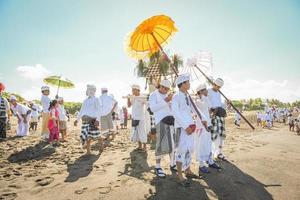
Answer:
(150, 36)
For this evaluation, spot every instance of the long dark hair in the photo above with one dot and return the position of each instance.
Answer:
(52, 104)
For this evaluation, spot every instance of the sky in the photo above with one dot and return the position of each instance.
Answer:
(255, 44)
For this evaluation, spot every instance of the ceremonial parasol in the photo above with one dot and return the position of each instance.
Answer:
(150, 36)
(60, 82)
(202, 62)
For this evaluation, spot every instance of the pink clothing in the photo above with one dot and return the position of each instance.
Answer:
(53, 130)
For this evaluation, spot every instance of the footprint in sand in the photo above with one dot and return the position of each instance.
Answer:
(44, 181)
(8, 196)
(80, 191)
(106, 164)
(104, 190)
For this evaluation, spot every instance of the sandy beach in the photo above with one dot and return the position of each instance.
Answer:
(263, 164)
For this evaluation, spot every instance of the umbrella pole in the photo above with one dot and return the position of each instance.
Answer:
(176, 74)
(58, 89)
(209, 80)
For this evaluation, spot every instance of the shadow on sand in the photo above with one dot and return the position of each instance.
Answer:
(232, 183)
(39, 151)
(82, 167)
(137, 166)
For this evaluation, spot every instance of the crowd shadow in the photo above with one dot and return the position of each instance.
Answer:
(169, 188)
(82, 167)
(137, 166)
(39, 151)
(232, 183)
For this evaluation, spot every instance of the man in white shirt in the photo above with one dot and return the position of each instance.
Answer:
(218, 119)
(185, 127)
(4, 113)
(108, 104)
(160, 105)
(62, 119)
(203, 142)
(138, 129)
(89, 114)
(23, 114)
(45, 101)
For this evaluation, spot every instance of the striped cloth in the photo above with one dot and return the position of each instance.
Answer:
(218, 127)
(88, 131)
(152, 124)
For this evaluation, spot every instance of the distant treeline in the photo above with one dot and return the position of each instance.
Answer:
(259, 104)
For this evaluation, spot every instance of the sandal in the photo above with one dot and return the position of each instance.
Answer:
(160, 173)
(221, 157)
(173, 169)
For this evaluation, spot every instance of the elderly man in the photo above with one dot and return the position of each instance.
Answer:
(218, 118)
(139, 129)
(108, 104)
(23, 114)
(4, 112)
(160, 105)
(62, 119)
(185, 127)
(45, 101)
(203, 143)
(90, 117)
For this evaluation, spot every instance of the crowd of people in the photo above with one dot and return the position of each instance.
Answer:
(183, 125)
(291, 117)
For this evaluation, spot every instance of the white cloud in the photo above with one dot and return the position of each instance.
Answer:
(283, 90)
(36, 72)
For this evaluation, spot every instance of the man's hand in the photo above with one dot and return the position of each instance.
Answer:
(97, 123)
(75, 123)
(189, 130)
(204, 124)
(169, 98)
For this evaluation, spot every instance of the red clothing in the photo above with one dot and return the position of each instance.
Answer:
(53, 130)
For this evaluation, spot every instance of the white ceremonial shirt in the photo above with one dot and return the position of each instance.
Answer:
(45, 101)
(181, 109)
(107, 103)
(214, 98)
(20, 110)
(138, 107)
(159, 106)
(90, 107)
(62, 113)
(204, 106)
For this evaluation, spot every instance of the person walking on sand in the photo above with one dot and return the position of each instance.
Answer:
(89, 114)
(53, 124)
(185, 127)
(62, 119)
(138, 129)
(160, 105)
(203, 142)
(34, 116)
(4, 112)
(108, 104)
(218, 118)
(45, 101)
(23, 114)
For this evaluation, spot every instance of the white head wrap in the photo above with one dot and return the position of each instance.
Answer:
(13, 98)
(137, 87)
(182, 78)
(166, 83)
(60, 99)
(90, 90)
(219, 82)
(45, 88)
(201, 87)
